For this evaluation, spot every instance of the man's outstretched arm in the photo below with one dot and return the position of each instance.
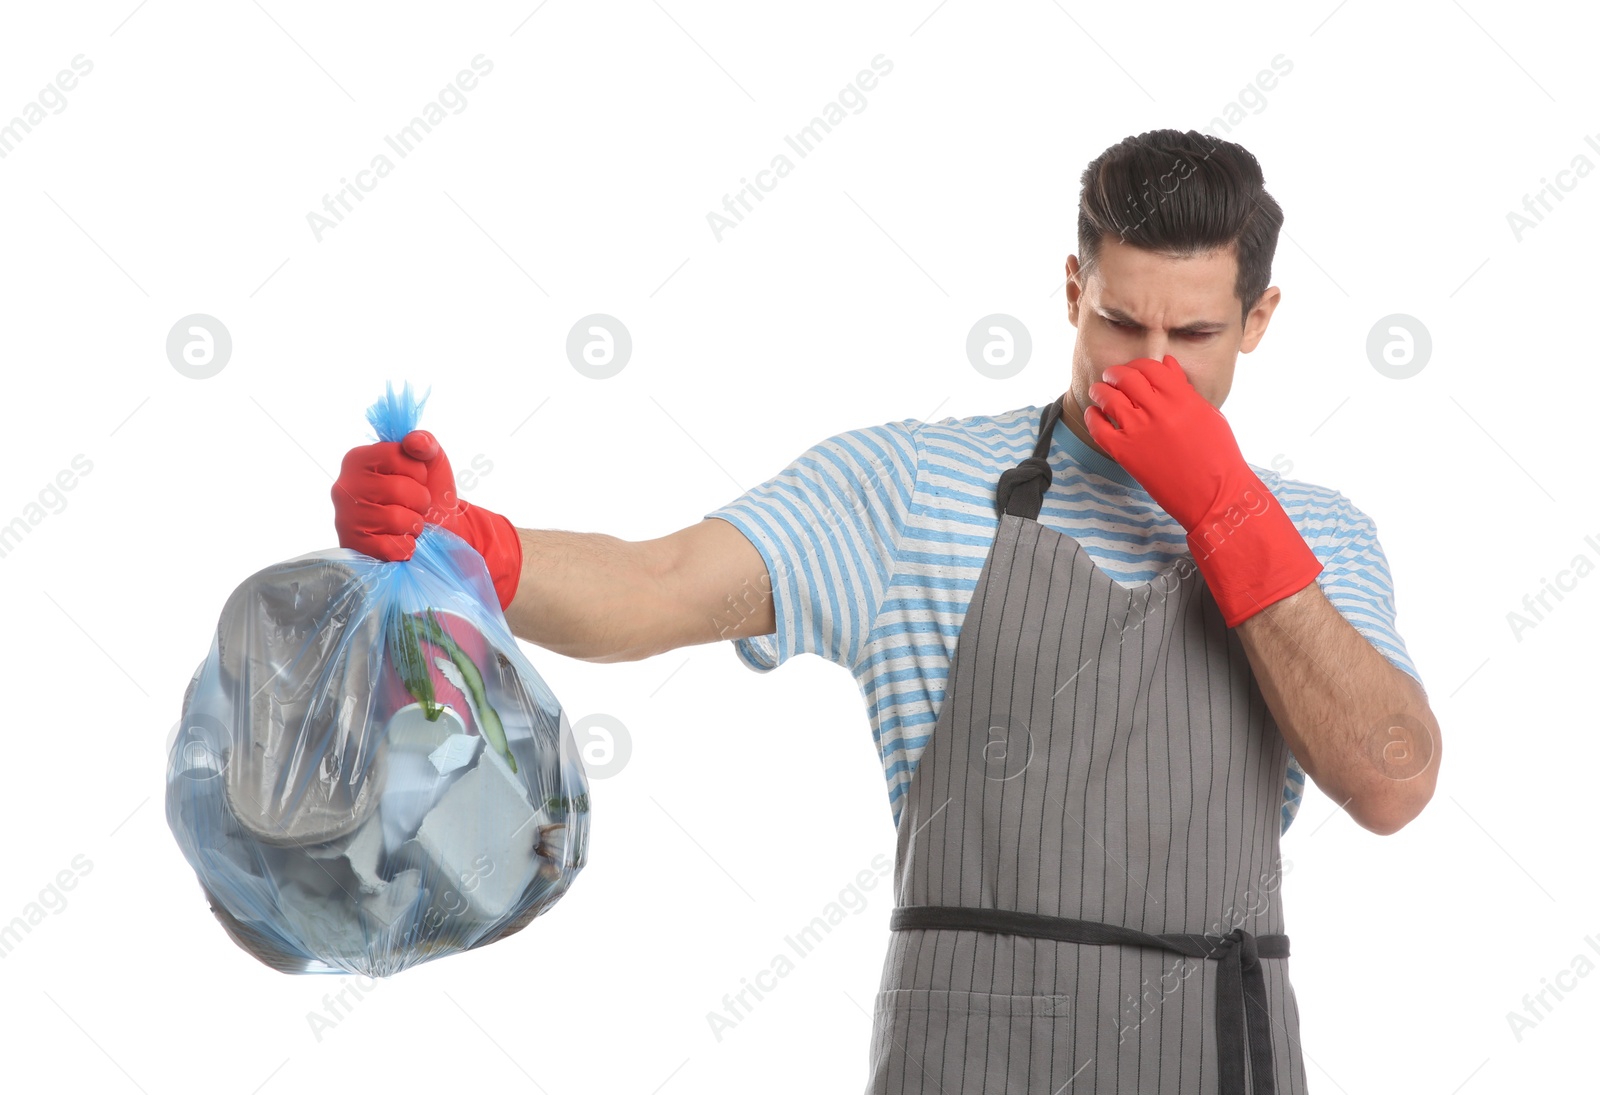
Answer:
(592, 596)
(583, 594)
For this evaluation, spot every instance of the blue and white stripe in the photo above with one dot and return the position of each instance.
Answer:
(874, 540)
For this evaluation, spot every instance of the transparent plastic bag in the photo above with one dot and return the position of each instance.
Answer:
(368, 772)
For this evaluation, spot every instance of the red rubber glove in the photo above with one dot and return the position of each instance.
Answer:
(1180, 449)
(386, 491)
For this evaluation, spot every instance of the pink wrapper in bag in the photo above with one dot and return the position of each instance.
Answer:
(392, 688)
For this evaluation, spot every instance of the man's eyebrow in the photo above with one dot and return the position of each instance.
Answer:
(1198, 327)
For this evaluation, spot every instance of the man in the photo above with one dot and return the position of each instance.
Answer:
(1100, 654)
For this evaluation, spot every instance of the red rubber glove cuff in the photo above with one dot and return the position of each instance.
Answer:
(1249, 551)
(496, 539)
(491, 534)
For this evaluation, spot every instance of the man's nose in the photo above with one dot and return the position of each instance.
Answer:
(1154, 345)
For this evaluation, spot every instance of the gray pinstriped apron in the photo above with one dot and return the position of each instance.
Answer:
(1086, 871)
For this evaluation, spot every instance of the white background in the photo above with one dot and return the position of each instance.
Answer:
(578, 180)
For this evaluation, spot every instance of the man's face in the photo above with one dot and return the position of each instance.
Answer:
(1141, 304)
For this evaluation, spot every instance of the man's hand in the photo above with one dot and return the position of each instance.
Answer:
(1177, 445)
(1180, 448)
(387, 491)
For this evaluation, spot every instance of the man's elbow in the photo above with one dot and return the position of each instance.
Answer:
(1402, 796)
(1391, 815)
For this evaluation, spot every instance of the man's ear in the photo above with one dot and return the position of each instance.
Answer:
(1074, 289)
(1255, 324)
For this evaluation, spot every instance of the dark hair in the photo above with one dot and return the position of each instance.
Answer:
(1181, 194)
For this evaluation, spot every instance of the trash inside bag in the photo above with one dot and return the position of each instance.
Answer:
(368, 772)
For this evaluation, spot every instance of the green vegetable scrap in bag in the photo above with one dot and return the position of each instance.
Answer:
(405, 646)
(406, 653)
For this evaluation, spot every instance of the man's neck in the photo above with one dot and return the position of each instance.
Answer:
(1072, 415)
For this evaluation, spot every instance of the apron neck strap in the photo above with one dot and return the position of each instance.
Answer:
(1021, 489)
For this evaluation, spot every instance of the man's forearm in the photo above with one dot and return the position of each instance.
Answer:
(1358, 725)
(582, 594)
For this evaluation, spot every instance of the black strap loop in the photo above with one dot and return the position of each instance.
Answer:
(1020, 491)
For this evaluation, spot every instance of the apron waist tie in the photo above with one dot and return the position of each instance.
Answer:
(1241, 985)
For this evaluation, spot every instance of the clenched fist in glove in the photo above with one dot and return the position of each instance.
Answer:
(387, 491)
(1154, 423)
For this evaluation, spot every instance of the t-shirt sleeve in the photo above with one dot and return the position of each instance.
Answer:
(1355, 579)
(828, 528)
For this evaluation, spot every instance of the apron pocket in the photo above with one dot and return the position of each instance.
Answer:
(979, 1003)
(944, 1040)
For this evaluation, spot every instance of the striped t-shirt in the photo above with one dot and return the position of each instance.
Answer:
(874, 540)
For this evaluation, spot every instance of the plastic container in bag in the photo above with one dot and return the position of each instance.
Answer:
(368, 772)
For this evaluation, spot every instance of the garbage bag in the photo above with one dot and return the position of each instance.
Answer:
(368, 772)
